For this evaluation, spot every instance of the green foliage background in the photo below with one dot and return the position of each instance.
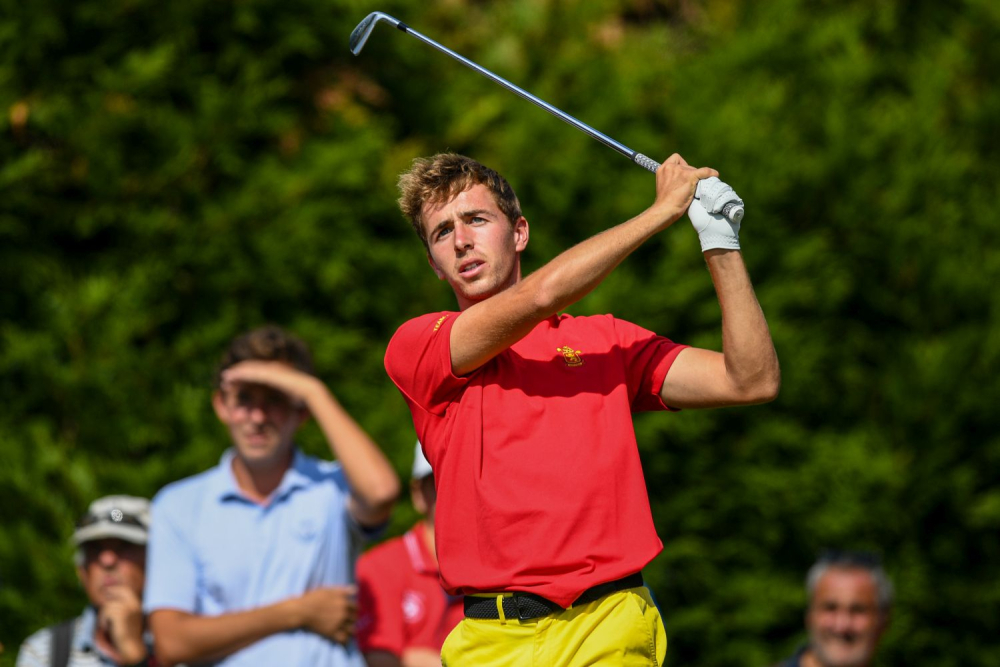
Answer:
(174, 173)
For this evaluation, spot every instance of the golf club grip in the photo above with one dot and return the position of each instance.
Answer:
(733, 211)
(645, 162)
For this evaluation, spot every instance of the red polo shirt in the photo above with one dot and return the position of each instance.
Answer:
(401, 602)
(539, 482)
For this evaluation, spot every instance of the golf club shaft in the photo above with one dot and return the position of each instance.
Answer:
(732, 210)
(638, 158)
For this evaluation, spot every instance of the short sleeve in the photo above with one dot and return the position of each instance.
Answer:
(380, 606)
(418, 361)
(171, 569)
(648, 358)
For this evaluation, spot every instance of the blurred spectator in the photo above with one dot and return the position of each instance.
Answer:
(850, 600)
(405, 615)
(111, 562)
(252, 561)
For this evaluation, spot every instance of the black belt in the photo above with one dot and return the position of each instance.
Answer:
(526, 606)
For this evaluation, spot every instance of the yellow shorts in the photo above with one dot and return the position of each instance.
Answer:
(622, 628)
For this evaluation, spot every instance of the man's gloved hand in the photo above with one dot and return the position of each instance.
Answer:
(714, 230)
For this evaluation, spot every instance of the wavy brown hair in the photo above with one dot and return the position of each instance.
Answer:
(436, 179)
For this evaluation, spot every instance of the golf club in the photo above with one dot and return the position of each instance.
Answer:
(733, 210)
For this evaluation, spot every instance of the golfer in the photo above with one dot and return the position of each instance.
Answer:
(525, 414)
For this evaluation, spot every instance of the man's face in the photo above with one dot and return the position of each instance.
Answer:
(261, 420)
(109, 563)
(473, 245)
(844, 619)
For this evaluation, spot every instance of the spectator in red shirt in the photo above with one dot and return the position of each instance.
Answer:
(404, 613)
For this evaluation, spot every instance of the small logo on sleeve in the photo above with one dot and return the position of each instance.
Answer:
(437, 325)
(570, 356)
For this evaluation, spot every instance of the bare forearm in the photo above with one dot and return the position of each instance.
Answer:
(374, 484)
(750, 359)
(577, 271)
(487, 328)
(574, 273)
(181, 637)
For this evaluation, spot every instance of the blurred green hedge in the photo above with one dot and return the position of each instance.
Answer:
(172, 174)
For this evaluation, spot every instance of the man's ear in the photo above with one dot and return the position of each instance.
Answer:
(219, 404)
(521, 233)
(437, 271)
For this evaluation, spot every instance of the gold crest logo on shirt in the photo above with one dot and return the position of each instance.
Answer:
(570, 356)
(437, 325)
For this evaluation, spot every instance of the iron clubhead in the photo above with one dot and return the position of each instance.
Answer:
(360, 34)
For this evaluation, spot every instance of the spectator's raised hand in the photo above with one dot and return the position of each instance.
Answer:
(299, 386)
(120, 619)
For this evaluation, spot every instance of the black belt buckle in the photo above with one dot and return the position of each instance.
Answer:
(530, 606)
(525, 610)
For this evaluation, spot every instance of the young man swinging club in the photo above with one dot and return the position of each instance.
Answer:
(543, 521)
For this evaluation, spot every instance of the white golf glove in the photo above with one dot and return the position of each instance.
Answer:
(714, 229)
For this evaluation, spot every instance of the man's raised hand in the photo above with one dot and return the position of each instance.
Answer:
(715, 231)
(676, 182)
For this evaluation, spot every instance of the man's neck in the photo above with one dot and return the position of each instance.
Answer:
(258, 482)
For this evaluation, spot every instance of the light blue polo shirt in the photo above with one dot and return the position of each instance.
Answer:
(212, 551)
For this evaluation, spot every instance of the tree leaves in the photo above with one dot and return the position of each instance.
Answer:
(173, 174)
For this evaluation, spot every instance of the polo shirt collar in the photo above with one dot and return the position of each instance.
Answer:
(224, 486)
(416, 549)
(296, 476)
